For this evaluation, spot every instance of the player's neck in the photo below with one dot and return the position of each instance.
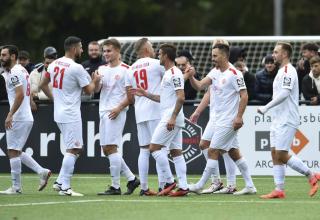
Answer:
(284, 63)
(168, 65)
(11, 66)
(115, 63)
(70, 55)
(224, 66)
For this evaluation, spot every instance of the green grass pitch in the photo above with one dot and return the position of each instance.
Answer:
(47, 205)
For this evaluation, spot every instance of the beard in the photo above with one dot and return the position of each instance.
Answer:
(6, 63)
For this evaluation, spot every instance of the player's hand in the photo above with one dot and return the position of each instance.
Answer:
(138, 91)
(171, 123)
(194, 117)
(190, 71)
(114, 113)
(96, 77)
(34, 107)
(8, 121)
(237, 123)
(314, 100)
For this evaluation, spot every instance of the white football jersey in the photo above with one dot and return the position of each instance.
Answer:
(67, 78)
(147, 73)
(287, 112)
(225, 90)
(19, 76)
(171, 81)
(113, 90)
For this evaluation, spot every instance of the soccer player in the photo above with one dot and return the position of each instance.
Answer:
(230, 99)
(169, 131)
(147, 73)
(68, 79)
(284, 105)
(19, 120)
(216, 185)
(113, 108)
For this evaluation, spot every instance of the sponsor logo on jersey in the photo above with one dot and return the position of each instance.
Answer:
(240, 82)
(286, 81)
(176, 82)
(14, 80)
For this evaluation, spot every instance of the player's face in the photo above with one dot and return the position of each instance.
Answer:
(278, 54)
(78, 50)
(93, 51)
(307, 54)
(217, 57)
(46, 62)
(182, 63)
(161, 57)
(110, 53)
(152, 54)
(5, 58)
(315, 68)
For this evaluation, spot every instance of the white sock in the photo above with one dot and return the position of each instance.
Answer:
(230, 169)
(205, 153)
(211, 168)
(126, 171)
(279, 176)
(15, 164)
(163, 163)
(181, 171)
(215, 178)
(296, 164)
(115, 167)
(67, 167)
(27, 160)
(243, 167)
(143, 166)
(161, 178)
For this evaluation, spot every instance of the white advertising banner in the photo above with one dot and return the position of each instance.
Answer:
(255, 141)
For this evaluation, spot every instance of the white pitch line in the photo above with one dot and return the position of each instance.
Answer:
(171, 201)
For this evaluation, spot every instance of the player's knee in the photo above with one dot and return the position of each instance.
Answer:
(213, 154)
(175, 152)
(204, 145)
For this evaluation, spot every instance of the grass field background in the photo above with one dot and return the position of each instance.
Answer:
(47, 205)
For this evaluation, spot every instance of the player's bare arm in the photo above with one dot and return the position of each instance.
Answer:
(238, 121)
(44, 85)
(130, 96)
(141, 92)
(177, 108)
(201, 107)
(200, 85)
(97, 83)
(17, 102)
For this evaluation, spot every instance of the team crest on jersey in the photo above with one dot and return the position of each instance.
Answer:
(240, 82)
(117, 77)
(14, 80)
(223, 81)
(191, 136)
(286, 81)
(176, 82)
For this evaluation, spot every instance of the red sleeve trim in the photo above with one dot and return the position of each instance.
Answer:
(233, 71)
(286, 69)
(172, 71)
(125, 65)
(47, 75)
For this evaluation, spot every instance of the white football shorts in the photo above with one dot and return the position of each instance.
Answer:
(18, 134)
(145, 131)
(111, 130)
(72, 134)
(208, 131)
(224, 138)
(281, 137)
(170, 139)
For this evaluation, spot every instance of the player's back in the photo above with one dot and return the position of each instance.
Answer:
(147, 73)
(19, 76)
(68, 78)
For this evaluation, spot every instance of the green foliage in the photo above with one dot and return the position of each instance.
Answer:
(35, 24)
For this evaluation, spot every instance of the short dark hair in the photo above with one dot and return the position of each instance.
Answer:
(93, 43)
(70, 42)
(287, 47)
(310, 46)
(139, 44)
(315, 59)
(224, 48)
(13, 49)
(113, 42)
(169, 50)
